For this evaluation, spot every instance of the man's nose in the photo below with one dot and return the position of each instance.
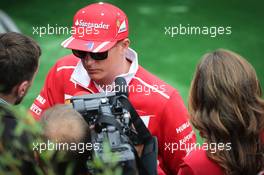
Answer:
(88, 60)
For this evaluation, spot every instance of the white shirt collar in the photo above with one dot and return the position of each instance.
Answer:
(81, 77)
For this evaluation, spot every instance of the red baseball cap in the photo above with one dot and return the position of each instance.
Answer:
(97, 28)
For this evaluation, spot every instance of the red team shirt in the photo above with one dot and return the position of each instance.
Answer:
(158, 104)
(197, 163)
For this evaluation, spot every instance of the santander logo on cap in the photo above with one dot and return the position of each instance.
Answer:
(83, 23)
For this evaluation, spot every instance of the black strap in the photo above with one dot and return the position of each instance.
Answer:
(143, 132)
(149, 156)
(147, 163)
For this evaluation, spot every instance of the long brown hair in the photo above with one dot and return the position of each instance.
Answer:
(226, 106)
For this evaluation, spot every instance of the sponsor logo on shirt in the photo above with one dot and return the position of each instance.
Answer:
(182, 127)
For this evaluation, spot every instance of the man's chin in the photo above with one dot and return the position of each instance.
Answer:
(95, 77)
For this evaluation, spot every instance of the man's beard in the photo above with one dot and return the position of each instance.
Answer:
(18, 100)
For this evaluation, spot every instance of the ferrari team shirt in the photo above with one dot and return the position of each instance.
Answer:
(158, 104)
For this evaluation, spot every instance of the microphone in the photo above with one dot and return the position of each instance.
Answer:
(121, 87)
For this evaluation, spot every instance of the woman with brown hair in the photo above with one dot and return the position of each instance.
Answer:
(226, 107)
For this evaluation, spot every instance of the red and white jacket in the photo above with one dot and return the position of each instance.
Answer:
(159, 105)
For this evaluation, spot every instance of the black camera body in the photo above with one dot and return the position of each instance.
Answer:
(110, 122)
(111, 116)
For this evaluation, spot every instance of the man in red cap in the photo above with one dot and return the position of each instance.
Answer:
(101, 52)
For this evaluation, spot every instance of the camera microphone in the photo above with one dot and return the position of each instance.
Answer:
(121, 87)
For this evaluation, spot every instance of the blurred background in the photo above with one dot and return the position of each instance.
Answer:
(173, 59)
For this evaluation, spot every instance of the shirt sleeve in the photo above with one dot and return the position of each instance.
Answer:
(176, 135)
(51, 93)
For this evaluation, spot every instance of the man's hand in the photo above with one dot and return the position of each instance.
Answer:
(139, 149)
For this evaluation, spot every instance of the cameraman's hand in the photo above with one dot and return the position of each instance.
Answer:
(139, 149)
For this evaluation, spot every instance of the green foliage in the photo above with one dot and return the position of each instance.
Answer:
(13, 152)
(108, 164)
